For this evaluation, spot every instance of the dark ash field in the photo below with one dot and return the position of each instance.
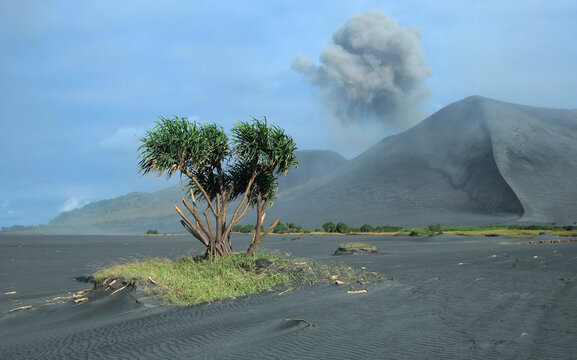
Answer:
(445, 297)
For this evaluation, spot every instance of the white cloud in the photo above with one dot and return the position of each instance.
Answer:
(72, 203)
(124, 140)
(5, 208)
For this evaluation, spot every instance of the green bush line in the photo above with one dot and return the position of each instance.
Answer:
(342, 228)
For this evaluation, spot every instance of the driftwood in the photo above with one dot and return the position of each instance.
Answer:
(27, 307)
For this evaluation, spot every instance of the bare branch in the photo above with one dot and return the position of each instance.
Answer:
(204, 193)
(244, 198)
(196, 231)
(199, 222)
(193, 232)
(208, 221)
(270, 228)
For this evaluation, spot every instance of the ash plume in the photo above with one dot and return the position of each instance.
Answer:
(372, 73)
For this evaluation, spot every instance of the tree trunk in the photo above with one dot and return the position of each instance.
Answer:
(221, 248)
(216, 239)
(257, 236)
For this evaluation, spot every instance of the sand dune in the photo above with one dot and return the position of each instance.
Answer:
(447, 297)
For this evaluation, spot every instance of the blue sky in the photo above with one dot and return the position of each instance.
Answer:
(79, 80)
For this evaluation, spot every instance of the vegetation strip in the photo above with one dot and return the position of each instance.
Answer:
(436, 229)
(191, 281)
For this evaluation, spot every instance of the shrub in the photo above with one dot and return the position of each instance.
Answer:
(387, 228)
(435, 229)
(248, 228)
(152, 232)
(245, 229)
(533, 227)
(280, 228)
(343, 228)
(329, 227)
(366, 228)
(292, 227)
(237, 228)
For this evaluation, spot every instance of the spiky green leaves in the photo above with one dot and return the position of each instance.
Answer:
(264, 185)
(262, 150)
(179, 145)
(257, 154)
(265, 147)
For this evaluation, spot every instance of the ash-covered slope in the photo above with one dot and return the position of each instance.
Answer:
(477, 161)
(536, 152)
(314, 165)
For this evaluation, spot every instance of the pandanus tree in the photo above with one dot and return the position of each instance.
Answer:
(219, 170)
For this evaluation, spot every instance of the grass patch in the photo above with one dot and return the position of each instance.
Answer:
(355, 245)
(511, 230)
(517, 231)
(501, 232)
(191, 281)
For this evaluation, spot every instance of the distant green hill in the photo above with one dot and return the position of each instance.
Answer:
(132, 213)
(138, 212)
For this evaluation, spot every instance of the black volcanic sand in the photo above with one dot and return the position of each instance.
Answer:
(447, 297)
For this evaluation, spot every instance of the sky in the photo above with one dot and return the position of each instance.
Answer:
(81, 80)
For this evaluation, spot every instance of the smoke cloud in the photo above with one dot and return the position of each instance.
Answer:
(372, 73)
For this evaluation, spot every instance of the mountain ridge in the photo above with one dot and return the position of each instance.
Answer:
(477, 161)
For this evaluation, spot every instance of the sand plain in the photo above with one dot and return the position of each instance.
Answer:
(446, 297)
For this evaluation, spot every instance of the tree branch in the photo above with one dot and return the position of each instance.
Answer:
(270, 228)
(245, 195)
(208, 221)
(192, 231)
(194, 213)
(204, 193)
(195, 231)
(257, 238)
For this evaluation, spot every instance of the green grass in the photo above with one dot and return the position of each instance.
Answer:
(501, 227)
(191, 281)
(509, 230)
(355, 245)
(519, 231)
(434, 229)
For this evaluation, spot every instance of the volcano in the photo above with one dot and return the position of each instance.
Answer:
(477, 161)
